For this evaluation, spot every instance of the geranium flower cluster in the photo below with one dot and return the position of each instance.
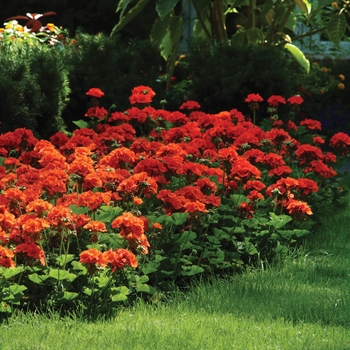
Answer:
(211, 156)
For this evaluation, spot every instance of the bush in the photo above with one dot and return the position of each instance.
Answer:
(223, 75)
(103, 62)
(34, 86)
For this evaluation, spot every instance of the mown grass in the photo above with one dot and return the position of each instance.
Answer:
(303, 303)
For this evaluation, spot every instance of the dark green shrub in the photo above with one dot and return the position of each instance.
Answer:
(115, 68)
(33, 88)
(223, 75)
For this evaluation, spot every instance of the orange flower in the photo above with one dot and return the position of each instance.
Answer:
(32, 227)
(137, 201)
(93, 257)
(31, 250)
(341, 77)
(39, 206)
(119, 258)
(132, 229)
(341, 86)
(6, 256)
(95, 225)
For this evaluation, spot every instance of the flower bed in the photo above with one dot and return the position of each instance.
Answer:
(138, 202)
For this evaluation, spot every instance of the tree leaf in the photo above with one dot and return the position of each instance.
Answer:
(163, 7)
(255, 35)
(299, 56)
(131, 14)
(304, 5)
(336, 28)
(122, 5)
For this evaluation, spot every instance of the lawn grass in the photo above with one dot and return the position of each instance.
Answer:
(303, 303)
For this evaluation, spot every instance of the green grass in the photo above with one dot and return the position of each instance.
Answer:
(303, 303)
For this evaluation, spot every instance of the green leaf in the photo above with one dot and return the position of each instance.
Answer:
(291, 233)
(299, 56)
(119, 293)
(102, 281)
(107, 213)
(64, 259)
(77, 265)
(178, 218)
(62, 275)
(304, 5)
(255, 35)
(291, 22)
(163, 7)
(38, 279)
(250, 247)
(5, 307)
(81, 123)
(68, 296)
(278, 221)
(131, 14)
(187, 236)
(10, 272)
(78, 210)
(149, 268)
(122, 5)
(17, 289)
(336, 27)
(191, 270)
(87, 291)
(145, 288)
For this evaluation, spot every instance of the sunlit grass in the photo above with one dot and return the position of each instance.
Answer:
(303, 303)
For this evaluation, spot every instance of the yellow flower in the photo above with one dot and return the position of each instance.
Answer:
(50, 27)
(341, 77)
(181, 57)
(334, 5)
(341, 86)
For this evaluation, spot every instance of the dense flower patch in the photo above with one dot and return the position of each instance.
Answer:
(144, 199)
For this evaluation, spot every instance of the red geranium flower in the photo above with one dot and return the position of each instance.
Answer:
(253, 98)
(141, 94)
(190, 105)
(275, 100)
(95, 92)
(311, 124)
(295, 100)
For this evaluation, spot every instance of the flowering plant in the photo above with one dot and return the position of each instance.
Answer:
(105, 215)
(33, 31)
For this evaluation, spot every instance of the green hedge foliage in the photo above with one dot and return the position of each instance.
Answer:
(34, 88)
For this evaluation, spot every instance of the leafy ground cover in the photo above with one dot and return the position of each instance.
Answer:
(303, 303)
(137, 203)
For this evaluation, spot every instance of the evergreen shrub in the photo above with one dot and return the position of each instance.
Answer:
(34, 88)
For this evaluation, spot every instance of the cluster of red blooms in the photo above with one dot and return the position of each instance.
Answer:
(214, 154)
